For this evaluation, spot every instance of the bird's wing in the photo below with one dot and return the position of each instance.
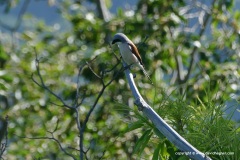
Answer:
(134, 50)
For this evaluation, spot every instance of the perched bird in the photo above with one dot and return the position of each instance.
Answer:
(129, 52)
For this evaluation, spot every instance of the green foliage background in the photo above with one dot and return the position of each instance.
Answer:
(194, 106)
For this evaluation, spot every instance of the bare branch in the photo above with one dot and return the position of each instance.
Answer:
(100, 94)
(74, 148)
(99, 77)
(173, 51)
(76, 104)
(84, 124)
(102, 154)
(103, 11)
(113, 68)
(80, 132)
(56, 127)
(42, 84)
(194, 51)
(55, 140)
(105, 15)
(118, 59)
(59, 105)
(160, 124)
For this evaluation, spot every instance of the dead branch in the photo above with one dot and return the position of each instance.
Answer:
(160, 124)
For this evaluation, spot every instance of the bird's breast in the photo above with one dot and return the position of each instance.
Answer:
(127, 54)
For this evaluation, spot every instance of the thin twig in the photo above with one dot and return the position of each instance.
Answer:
(56, 127)
(74, 148)
(194, 51)
(42, 84)
(102, 155)
(54, 139)
(103, 11)
(80, 132)
(99, 77)
(76, 104)
(84, 124)
(173, 51)
(114, 67)
(100, 94)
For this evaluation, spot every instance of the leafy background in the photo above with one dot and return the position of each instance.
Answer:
(190, 49)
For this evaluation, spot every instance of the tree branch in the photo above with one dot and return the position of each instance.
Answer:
(160, 124)
(103, 11)
(55, 140)
(42, 84)
(105, 15)
(194, 51)
(76, 105)
(84, 124)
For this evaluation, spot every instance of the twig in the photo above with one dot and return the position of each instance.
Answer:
(105, 15)
(42, 84)
(84, 124)
(55, 140)
(103, 11)
(178, 60)
(76, 104)
(56, 127)
(99, 77)
(74, 148)
(113, 68)
(102, 154)
(80, 132)
(203, 28)
(75, 107)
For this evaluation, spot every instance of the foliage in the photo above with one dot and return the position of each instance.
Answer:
(192, 56)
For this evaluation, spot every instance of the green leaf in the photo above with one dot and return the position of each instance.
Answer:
(159, 134)
(134, 125)
(3, 54)
(156, 152)
(139, 116)
(120, 12)
(142, 141)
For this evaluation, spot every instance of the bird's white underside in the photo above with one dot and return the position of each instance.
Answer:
(128, 56)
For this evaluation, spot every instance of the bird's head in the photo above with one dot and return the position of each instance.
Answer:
(120, 37)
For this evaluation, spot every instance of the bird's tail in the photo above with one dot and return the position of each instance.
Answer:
(146, 74)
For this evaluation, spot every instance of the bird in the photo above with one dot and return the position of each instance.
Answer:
(129, 52)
